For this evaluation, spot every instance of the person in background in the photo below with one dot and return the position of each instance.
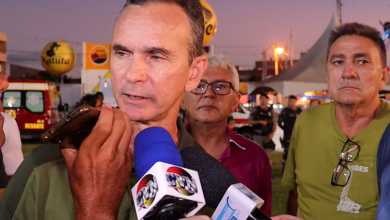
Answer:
(208, 107)
(331, 164)
(3, 176)
(286, 121)
(264, 121)
(100, 99)
(12, 147)
(91, 100)
(314, 102)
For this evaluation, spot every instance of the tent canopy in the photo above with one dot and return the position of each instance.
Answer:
(309, 72)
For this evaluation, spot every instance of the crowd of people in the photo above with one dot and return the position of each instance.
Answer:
(331, 162)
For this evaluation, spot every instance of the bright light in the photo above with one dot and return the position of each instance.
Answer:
(304, 99)
(279, 50)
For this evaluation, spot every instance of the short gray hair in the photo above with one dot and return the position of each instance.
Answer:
(219, 61)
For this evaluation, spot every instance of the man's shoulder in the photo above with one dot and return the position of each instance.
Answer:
(42, 160)
(45, 154)
(316, 110)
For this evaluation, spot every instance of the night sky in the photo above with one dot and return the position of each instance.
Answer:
(245, 27)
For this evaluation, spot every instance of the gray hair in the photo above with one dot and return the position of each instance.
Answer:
(219, 61)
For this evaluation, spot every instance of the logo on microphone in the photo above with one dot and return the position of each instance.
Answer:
(146, 191)
(181, 181)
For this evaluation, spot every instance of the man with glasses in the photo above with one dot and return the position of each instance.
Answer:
(208, 107)
(332, 156)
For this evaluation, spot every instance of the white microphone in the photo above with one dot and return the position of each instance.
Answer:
(239, 203)
(166, 190)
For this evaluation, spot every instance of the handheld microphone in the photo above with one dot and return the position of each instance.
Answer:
(165, 190)
(221, 189)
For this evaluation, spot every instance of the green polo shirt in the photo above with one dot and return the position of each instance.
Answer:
(40, 187)
(314, 153)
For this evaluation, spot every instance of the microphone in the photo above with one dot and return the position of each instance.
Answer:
(221, 189)
(165, 189)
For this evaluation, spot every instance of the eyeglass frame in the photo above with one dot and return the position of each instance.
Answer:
(340, 165)
(211, 84)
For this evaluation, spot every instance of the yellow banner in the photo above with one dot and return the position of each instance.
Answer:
(97, 56)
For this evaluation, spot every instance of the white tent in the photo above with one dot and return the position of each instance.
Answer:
(308, 74)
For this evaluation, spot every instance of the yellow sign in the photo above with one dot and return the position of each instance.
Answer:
(210, 22)
(11, 113)
(58, 57)
(34, 126)
(97, 56)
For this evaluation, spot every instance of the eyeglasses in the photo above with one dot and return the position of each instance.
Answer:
(342, 173)
(219, 87)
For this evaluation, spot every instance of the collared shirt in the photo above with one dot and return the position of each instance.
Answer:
(40, 187)
(249, 163)
(314, 153)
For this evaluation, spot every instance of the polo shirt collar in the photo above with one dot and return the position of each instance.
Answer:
(233, 138)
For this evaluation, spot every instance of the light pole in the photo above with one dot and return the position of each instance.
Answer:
(277, 50)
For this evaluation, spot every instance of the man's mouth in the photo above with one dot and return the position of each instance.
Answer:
(349, 87)
(135, 97)
(207, 107)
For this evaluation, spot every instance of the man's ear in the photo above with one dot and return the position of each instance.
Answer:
(236, 102)
(385, 77)
(197, 68)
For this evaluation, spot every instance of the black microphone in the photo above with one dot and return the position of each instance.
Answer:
(221, 189)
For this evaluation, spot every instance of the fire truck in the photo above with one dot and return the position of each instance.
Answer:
(33, 104)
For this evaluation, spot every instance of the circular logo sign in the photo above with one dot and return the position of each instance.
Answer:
(98, 55)
(58, 57)
(181, 181)
(146, 191)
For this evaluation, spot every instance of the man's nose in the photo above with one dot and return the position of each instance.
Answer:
(349, 71)
(210, 92)
(137, 70)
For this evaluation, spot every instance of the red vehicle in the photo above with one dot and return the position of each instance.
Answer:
(34, 104)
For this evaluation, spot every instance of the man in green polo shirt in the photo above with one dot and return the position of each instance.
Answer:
(331, 166)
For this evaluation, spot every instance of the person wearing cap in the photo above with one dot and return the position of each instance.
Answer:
(264, 122)
(286, 121)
